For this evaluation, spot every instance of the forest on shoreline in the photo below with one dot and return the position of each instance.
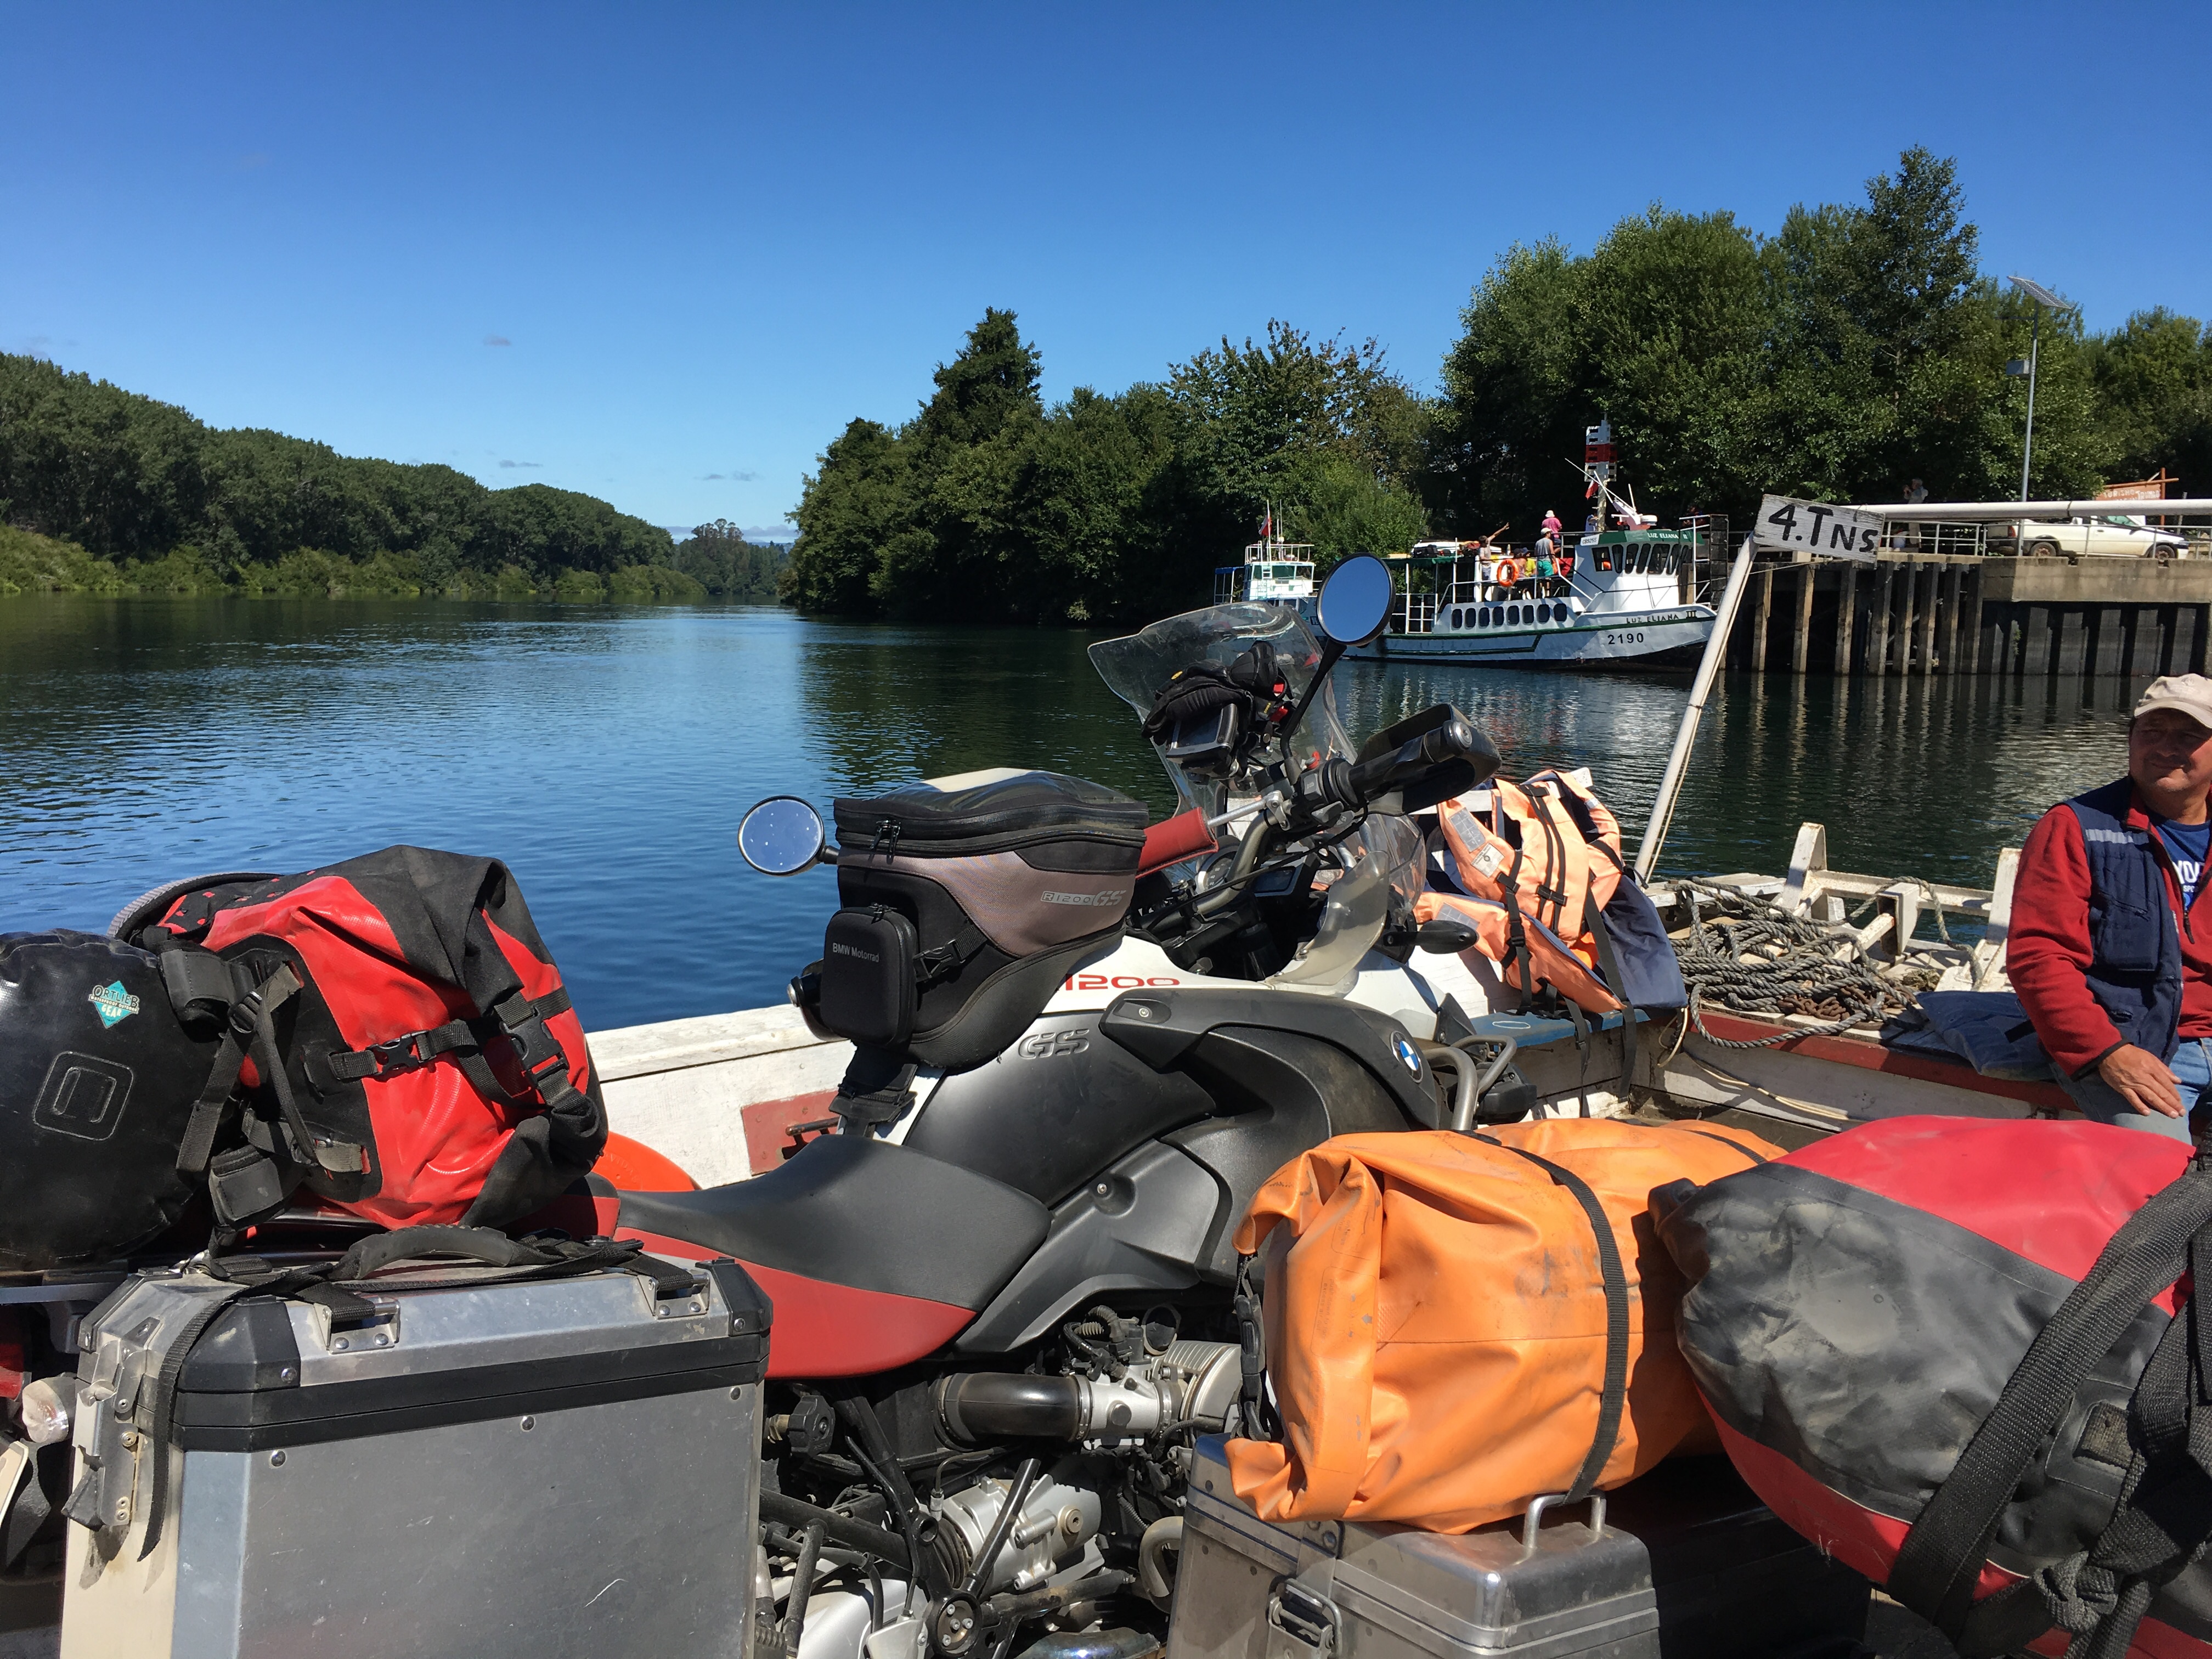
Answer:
(105, 491)
(1858, 347)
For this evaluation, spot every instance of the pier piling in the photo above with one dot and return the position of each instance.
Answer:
(1924, 614)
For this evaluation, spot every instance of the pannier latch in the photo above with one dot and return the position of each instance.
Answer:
(1301, 1623)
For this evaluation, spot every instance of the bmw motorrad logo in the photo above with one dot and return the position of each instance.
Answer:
(1408, 1056)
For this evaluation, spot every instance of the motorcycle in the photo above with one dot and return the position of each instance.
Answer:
(1004, 1315)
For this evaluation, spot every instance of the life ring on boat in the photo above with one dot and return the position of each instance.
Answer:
(1507, 573)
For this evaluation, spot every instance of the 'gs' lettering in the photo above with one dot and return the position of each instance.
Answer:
(1042, 1045)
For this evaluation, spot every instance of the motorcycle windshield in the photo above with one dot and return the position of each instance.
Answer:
(1135, 668)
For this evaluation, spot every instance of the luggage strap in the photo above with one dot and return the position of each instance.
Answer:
(1614, 1398)
(942, 962)
(2163, 1521)
(875, 1090)
(330, 1286)
(419, 1049)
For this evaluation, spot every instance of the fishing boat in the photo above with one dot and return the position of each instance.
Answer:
(1630, 594)
(1633, 596)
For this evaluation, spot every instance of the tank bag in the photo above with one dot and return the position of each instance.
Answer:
(396, 1038)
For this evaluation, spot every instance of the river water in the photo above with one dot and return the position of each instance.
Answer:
(606, 754)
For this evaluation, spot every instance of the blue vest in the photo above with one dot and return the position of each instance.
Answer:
(2135, 971)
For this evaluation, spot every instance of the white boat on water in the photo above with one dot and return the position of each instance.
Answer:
(1632, 597)
(1271, 572)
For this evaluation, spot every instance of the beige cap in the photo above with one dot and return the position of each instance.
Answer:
(2190, 693)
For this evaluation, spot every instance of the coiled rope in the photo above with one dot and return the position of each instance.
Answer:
(1752, 956)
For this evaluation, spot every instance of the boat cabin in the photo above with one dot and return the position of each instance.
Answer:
(1449, 587)
(1274, 572)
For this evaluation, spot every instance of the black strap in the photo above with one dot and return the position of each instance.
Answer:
(942, 962)
(1733, 1145)
(1942, 1558)
(1614, 1398)
(875, 1090)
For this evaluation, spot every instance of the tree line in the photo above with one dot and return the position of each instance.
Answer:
(105, 490)
(1857, 348)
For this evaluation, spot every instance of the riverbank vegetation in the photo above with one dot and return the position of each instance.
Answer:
(1856, 349)
(109, 492)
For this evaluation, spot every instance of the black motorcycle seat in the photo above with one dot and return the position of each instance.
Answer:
(853, 1210)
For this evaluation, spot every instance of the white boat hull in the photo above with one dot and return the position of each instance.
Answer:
(1644, 638)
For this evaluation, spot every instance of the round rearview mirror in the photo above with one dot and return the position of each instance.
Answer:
(1355, 600)
(781, 836)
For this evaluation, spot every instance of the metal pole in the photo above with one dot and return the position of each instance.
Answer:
(1685, 735)
(2027, 441)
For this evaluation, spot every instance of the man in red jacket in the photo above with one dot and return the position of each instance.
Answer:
(2104, 951)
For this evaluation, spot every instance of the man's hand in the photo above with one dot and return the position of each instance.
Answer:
(2140, 1078)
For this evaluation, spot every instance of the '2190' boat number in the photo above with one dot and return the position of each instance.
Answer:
(1624, 639)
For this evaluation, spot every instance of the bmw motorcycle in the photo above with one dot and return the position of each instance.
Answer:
(1007, 1294)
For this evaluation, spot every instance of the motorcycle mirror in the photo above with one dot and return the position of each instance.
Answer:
(1446, 935)
(781, 836)
(1355, 600)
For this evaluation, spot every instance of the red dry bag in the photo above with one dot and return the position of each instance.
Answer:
(397, 1039)
(1962, 1356)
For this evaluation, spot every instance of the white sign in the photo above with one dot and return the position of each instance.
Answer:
(1817, 527)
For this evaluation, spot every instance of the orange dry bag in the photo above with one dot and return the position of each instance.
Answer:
(1449, 1333)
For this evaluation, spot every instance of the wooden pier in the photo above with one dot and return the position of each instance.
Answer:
(1925, 613)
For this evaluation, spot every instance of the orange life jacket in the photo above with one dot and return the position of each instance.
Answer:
(1538, 957)
(1524, 843)
(1600, 829)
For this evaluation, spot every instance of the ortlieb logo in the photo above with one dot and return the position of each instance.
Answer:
(1115, 896)
(850, 951)
(113, 1002)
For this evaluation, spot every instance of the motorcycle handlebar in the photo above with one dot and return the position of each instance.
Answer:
(1453, 740)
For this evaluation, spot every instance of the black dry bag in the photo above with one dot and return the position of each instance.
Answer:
(98, 1076)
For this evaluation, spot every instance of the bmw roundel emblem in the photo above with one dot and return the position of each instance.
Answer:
(1408, 1055)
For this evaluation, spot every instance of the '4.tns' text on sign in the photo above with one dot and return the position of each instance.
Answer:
(1818, 528)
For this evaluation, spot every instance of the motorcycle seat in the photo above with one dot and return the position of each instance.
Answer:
(855, 1211)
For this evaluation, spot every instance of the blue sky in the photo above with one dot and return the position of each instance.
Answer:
(662, 253)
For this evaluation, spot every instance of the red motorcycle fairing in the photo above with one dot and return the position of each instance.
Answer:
(873, 1255)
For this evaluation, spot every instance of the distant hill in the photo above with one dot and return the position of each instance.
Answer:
(120, 493)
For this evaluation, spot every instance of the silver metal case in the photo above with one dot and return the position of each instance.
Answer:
(522, 1468)
(1688, 1566)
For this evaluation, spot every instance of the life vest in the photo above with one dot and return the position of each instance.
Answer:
(1601, 830)
(1529, 955)
(1556, 848)
(2135, 949)
(1508, 839)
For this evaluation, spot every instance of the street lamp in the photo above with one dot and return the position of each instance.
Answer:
(2041, 296)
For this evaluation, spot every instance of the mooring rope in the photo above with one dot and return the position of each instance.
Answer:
(1753, 956)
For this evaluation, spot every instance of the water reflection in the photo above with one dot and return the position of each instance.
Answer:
(607, 755)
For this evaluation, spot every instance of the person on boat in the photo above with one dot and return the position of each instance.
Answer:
(2104, 952)
(1552, 527)
(1544, 569)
